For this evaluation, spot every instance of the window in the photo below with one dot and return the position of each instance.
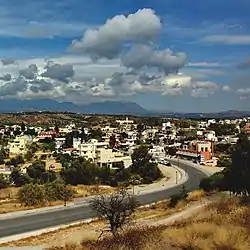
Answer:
(206, 149)
(202, 149)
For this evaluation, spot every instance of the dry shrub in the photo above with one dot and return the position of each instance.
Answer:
(231, 237)
(132, 239)
(180, 205)
(196, 195)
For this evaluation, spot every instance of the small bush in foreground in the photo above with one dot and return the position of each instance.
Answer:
(116, 208)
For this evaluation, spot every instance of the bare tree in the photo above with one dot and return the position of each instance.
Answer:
(116, 208)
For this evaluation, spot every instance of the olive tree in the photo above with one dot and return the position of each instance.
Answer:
(116, 209)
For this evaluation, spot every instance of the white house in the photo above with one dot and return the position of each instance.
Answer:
(98, 152)
(59, 143)
(19, 145)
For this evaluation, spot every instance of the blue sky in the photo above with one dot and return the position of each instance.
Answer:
(164, 54)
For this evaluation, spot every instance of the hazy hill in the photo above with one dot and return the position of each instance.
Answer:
(107, 107)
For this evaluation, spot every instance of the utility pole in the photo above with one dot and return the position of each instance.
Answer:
(65, 196)
(176, 176)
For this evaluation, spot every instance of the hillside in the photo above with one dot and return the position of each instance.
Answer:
(224, 225)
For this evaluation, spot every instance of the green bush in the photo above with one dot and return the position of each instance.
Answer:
(57, 190)
(19, 178)
(4, 181)
(34, 194)
(213, 182)
(31, 195)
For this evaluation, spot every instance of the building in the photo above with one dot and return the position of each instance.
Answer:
(157, 151)
(64, 131)
(208, 135)
(19, 145)
(197, 150)
(98, 152)
(166, 126)
(46, 134)
(125, 122)
(247, 128)
(59, 143)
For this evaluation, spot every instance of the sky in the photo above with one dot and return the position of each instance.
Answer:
(165, 55)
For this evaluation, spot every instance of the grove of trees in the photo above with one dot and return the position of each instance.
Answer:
(35, 194)
(78, 170)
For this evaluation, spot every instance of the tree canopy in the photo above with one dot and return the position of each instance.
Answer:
(237, 174)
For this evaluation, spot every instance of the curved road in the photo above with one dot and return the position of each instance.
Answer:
(37, 221)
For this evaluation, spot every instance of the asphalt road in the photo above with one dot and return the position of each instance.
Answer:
(37, 221)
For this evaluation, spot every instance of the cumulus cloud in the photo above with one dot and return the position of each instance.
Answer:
(244, 93)
(83, 80)
(30, 72)
(8, 61)
(175, 84)
(40, 85)
(226, 88)
(12, 87)
(144, 56)
(61, 72)
(36, 80)
(107, 40)
(6, 77)
(203, 89)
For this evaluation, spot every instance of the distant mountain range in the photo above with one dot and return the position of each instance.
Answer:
(106, 107)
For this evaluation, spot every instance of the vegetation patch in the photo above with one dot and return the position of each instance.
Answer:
(222, 225)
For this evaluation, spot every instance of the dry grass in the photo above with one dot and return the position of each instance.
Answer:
(8, 193)
(90, 231)
(9, 202)
(15, 206)
(84, 190)
(196, 195)
(224, 225)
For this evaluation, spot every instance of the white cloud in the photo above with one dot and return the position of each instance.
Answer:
(175, 84)
(205, 84)
(107, 40)
(205, 64)
(143, 56)
(226, 88)
(244, 93)
(227, 39)
(203, 89)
